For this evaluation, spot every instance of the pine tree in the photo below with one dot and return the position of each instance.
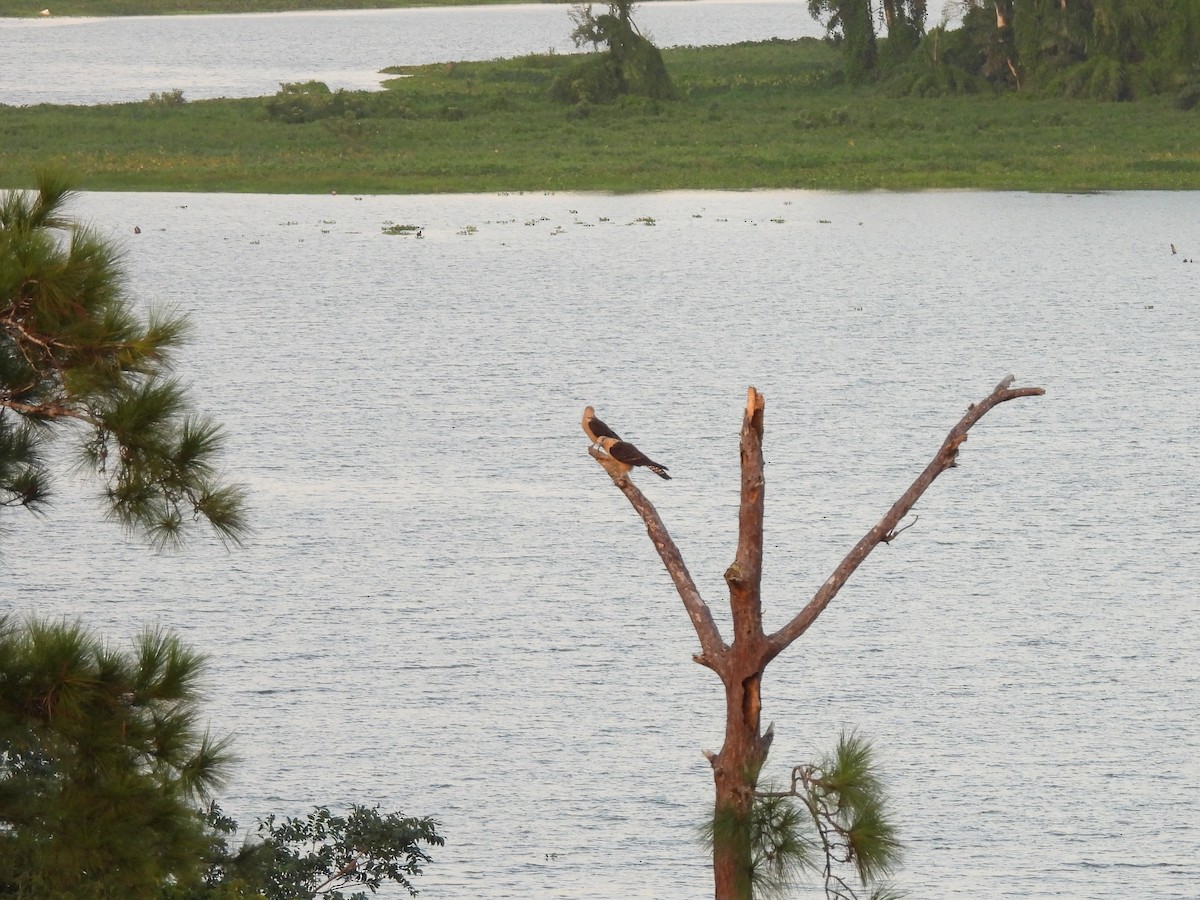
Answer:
(102, 764)
(75, 357)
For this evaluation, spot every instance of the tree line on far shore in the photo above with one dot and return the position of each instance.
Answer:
(1100, 49)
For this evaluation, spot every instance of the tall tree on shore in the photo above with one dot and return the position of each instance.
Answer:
(76, 359)
(905, 24)
(1106, 49)
(741, 663)
(851, 23)
(629, 63)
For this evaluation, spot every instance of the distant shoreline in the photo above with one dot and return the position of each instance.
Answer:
(23, 9)
(753, 115)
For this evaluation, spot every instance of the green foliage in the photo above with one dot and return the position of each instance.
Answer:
(106, 782)
(166, 98)
(1093, 49)
(72, 350)
(905, 23)
(593, 79)
(1188, 97)
(850, 25)
(319, 855)
(735, 126)
(782, 851)
(323, 853)
(101, 764)
(845, 798)
(1099, 78)
(833, 819)
(924, 77)
(305, 101)
(630, 65)
(298, 103)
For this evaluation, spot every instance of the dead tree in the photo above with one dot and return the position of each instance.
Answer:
(740, 663)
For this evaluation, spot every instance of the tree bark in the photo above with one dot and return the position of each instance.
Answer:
(741, 663)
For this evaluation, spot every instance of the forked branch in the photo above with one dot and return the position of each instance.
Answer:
(885, 530)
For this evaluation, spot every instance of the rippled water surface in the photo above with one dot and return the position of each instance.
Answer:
(113, 60)
(447, 608)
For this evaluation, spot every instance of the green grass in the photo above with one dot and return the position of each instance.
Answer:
(751, 116)
(60, 8)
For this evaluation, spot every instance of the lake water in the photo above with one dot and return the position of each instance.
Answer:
(112, 60)
(447, 608)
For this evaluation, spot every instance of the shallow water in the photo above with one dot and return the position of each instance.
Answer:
(89, 61)
(447, 608)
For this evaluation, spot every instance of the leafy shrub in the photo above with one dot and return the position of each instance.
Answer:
(307, 101)
(943, 80)
(631, 64)
(1189, 97)
(166, 98)
(644, 70)
(1100, 78)
(388, 104)
(594, 79)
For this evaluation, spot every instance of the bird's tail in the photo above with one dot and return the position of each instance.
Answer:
(660, 471)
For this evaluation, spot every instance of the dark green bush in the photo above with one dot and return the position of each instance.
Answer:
(594, 79)
(1101, 78)
(943, 80)
(166, 98)
(307, 101)
(1188, 97)
(629, 65)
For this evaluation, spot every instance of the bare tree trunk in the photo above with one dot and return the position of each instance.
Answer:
(741, 664)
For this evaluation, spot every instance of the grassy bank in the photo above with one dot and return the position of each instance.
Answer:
(60, 8)
(751, 116)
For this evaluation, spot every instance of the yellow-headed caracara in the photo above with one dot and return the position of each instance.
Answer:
(595, 429)
(629, 456)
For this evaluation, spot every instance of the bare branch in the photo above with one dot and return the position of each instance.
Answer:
(942, 460)
(712, 645)
(49, 412)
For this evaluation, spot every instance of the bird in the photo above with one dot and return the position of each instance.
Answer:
(1172, 249)
(629, 456)
(594, 428)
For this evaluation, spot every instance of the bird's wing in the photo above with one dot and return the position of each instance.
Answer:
(631, 455)
(601, 430)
